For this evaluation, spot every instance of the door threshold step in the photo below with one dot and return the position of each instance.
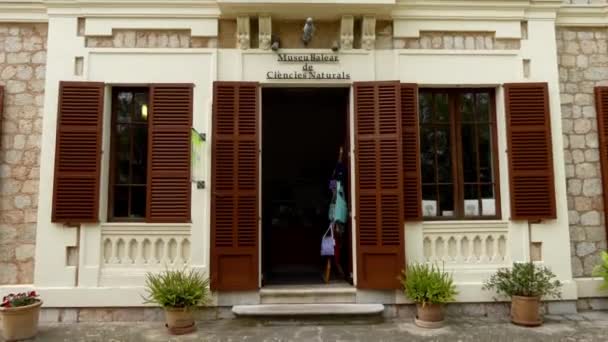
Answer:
(267, 310)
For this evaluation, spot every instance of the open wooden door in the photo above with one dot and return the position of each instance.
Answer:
(235, 186)
(379, 184)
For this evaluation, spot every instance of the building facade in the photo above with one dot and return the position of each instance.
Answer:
(139, 135)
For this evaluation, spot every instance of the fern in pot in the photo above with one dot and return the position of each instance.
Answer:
(526, 283)
(179, 292)
(430, 288)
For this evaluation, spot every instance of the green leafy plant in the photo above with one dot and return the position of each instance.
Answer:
(177, 288)
(601, 270)
(427, 284)
(526, 280)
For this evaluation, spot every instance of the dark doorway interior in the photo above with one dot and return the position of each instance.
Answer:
(302, 132)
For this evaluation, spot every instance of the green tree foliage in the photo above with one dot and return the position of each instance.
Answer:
(601, 270)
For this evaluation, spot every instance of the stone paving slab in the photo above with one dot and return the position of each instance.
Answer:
(592, 326)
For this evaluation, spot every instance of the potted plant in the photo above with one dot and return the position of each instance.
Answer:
(20, 314)
(601, 270)
(178, 292)
(430, 288)
(526, 283)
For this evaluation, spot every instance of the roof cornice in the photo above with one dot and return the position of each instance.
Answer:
(23, 11)
(583, 15)
(565, 15)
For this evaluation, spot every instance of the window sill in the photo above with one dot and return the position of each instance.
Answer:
(110, 225)
(466, 224)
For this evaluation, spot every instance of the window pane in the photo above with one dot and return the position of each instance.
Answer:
(141, 107)
(138, 201)
(429, 200)
(488, 200)
(124, 106)
(121, 201)
(442, 113)
(444, 155)
(469, 153)
(427, 154)
(426, 107)
(471, 200)
(129, 153)
(485, 153)
(483, 107)
(140, 155)
(446, 200)
(467, 107)
(122, 154)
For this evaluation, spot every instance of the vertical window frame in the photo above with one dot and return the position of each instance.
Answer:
(456, 152)
(113, 154)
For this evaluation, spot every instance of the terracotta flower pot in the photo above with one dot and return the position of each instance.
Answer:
(429, 315)
(179, 321)
(526, 311)
(20, 323)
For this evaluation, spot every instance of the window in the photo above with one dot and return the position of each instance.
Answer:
(458, 154)
(129, 154)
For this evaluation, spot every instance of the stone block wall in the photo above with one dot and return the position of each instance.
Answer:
(22, 70)
(583, 64)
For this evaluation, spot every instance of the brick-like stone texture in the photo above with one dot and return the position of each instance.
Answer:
(583, 64)
(151, 39)
(22, 70)
(457, 41)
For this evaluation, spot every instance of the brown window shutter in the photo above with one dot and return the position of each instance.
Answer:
(601, 106)
(78, 152)
(532, 183)
(235, 192)
(379, 184)
(170, 124)
(412, 190)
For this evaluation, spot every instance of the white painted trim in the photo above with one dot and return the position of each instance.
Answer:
(23, 11)
(583, 15)
(443, 52)
(130, 296)
(590, 287)
(411, 28)
(199, 27)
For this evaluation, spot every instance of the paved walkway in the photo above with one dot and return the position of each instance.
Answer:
(587, 326)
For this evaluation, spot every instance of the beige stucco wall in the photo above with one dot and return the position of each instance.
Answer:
(22, 71)
(583, 64)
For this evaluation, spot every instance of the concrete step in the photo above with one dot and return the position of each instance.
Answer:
(293, 310)
(308, 294)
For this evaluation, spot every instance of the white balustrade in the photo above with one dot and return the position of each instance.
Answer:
(128, 251)
(466, 243)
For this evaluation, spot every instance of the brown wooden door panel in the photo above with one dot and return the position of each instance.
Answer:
(601, 106)
(78, 152)
(170, 124)
(235, 186)
(410, 144)
(379, 184)
(531, 175)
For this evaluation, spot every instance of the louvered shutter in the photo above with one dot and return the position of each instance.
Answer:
(412, 190)
(379, 184)
(169, 129)
(78, 152)
(235, 192)
(530, 155)
(601, 106)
